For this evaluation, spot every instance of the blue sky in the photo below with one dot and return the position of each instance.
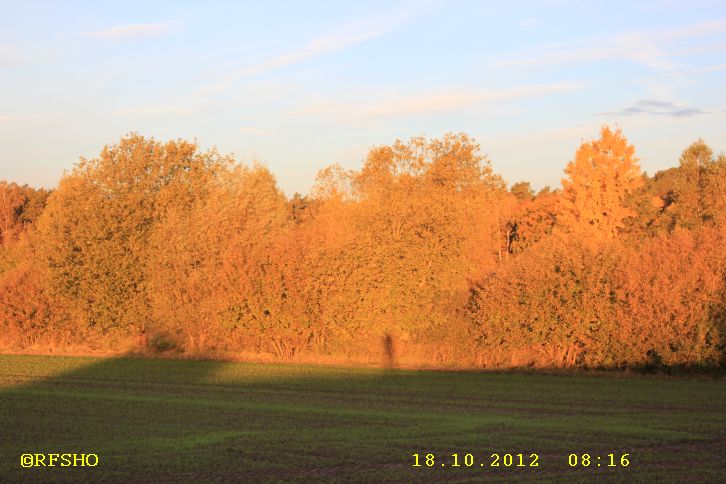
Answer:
(301, 85)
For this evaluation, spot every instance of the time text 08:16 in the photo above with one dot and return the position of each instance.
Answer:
(515, 460)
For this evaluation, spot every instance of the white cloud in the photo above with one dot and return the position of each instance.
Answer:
(455, 99)
(318, 108)
(179, 105)
(622, 48)
(427, 102)
(707, 69)
(14, 55)
(135, 31)
(28, 117)
(694, 30)
(257, 131)
(339, 39)
(157, 110)
(317, 47)
(11, 56)
(648, 48)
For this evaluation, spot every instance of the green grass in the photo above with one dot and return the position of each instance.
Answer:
(168, 420)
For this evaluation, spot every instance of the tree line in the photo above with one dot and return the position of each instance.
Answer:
(424, 250)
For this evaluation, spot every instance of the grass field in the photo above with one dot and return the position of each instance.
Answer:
(170, 420)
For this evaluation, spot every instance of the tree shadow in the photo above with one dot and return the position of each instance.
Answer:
(152, 420)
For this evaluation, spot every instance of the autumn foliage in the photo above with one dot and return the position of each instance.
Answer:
(422, 254)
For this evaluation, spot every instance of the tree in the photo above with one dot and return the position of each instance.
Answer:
(20, 208)
(27, 314)
(211, 274)
(713, 192)
(422, 253)
(671, 292)
(551, 306)
(522, 190)
(534, 220)
(11, 203)
(96, 227)
(302, 208)
(688, 208)
(689, 196)
(598, 182)
(427, 224)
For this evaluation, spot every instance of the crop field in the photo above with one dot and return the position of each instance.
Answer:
(180, 420)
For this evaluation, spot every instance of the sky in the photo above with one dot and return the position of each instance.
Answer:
(298, 86)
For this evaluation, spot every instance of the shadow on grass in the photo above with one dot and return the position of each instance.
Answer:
(180, 420)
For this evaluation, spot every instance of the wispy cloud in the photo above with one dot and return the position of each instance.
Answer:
(257, 131)
(175, 105)
(423, 103)
(650, 107)
(172, 109)
(28, 117)
(450, 100)
(135, 31)
(346, 36)
(595, 50)
(648, 48)
(14, 56)
(311, 110)
(11, 56)
(707, 69)
(315, 48)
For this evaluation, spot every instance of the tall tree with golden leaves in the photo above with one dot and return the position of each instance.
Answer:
(598, 182)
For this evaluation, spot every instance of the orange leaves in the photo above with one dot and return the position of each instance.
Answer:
(20, 207)
(672, 291)
(599, 179)
(612, 304)
(11, 201)
(553, 299)
(208, 262)
(94, 234)
(162, 238)
(27, 312)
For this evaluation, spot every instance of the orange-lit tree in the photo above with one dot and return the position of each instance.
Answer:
(598, 182)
